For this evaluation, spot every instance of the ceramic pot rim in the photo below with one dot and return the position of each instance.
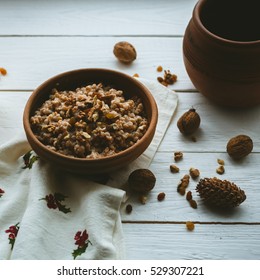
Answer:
(196, 15)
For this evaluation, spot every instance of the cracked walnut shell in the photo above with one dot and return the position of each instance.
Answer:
(239, 146)
(124, 52)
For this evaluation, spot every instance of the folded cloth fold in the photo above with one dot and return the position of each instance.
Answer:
(51, 214)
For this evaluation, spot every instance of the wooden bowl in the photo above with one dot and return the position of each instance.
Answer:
(77, 78)
(221, 51)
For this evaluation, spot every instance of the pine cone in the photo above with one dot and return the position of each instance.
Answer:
(220, 193)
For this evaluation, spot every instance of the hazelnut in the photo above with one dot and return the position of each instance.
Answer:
(194, 173)
(141, 180)
(239, 146)
(125, 52)
(189, 122)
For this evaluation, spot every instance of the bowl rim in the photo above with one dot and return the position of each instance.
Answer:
(196, 15)
(151, 128)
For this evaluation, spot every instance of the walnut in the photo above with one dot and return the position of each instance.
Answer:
(125, 52)
(239, 146)
(174, 168)
(178, 156)
(194, 173)
(141, 180)
(189, 122)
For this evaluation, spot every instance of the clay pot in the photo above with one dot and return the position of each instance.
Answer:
(77, 78)
(221, 51)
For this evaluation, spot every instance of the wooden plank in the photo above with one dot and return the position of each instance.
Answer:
(175, 207)
(218, 125)
(174, 242)
(30, 61)
(95, 17)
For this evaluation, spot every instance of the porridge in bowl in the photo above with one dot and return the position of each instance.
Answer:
(94, 121)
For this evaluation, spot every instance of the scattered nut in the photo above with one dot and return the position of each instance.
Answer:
(161, 196)
(189, 196)
(125, 52)
(159, 68)
(189, 122)
(168, 78)
(183, 184)
(178, 156)
(193, 204)
(174, 168)
(181, 190)
(239, 146)
(3, 71)
(136, 75)
(128, 208)
(143, 199)
(141, 180)
(220, 170)
(221, 161)
(190, 226)
(194, 173)
(160, 80)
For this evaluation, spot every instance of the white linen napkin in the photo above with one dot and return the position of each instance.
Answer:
(51, 214)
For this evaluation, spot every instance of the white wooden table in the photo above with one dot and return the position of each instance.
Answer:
(39, 39)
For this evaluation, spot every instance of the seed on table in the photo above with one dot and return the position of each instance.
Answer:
(174, 168)
(3, 71)
(189, 196)
(143, 199)
(183, 184)
(220, 170)
(194, 173)
(178, 156)
(161, 196)
(128, 208)
(181, 190)
(193, 204)
(159, 68)
(221, 161)
(190, 225)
